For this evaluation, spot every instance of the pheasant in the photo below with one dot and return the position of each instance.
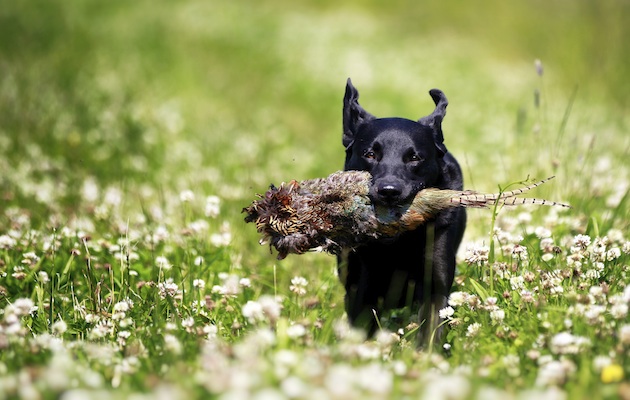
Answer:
(336, 212)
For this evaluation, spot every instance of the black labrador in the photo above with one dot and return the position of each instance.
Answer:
(416, 268)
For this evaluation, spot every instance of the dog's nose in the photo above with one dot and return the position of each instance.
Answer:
(389, 192)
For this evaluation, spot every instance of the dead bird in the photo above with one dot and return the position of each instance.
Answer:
(336, 212)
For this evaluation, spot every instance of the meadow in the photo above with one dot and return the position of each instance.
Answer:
(132, 134)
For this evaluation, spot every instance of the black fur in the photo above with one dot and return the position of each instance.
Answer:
(403, 156)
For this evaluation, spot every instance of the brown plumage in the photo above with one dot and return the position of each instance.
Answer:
(336, 212)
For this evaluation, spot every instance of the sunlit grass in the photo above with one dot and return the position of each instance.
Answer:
(129, 144)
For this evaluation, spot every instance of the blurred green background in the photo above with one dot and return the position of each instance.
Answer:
(227, 96)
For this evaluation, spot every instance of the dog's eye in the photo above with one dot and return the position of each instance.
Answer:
(416, 158)
(369, 154)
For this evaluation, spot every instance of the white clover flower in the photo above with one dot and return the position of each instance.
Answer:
(625, 248)
(497, 315)
(7, 242)
(59, 327)
(592, 274)
(547, 257)
(186, 196)
(163, 263)
(546, 244)
(581, 241)
(125, 323)
(366, 351)
(30, 258)
(118, 316)
(519, 252)
(90, 190)
(457, 299)
(399, 368)
(170, 326)
(198, 261)
(386, 339)
(223, 275)
(199, 283)
(593, 313)
(20, 307)
(286, 358)
(566, 343)
(575, 260)
(524, 217)
(446, 312)
(339, 381)
(517, 282)
(271, 307)
(124, 334)
(294, 387)
(218, 289)
(375, 379)
(601, 242)
(600, 362)
(168, 288)
(477, 254)
(512, 363)
(503, 235)
(199, 226)
(491, 301)
(92, 318)
(200, 307)
(245, 282)
(615, 235)
(344, 331)
(210, 331)
(172, 344)
(221, 239)
(298, 285)
(102, 329)
(121, 306)
(296, 331)
(160, 234)
(473, 329)
(527, 296)
(230, 287)
(188, 322)
(542, 233)
(552, 373)
(113, 196)
(455, 387)
(613, 254)
(43, 277)
(253, 311)
(12, 326)
(624, 334)
(617, 299)
(619, 311)
(212, 208)
(18, 272)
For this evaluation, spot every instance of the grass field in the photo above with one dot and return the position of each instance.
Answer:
(132, 134)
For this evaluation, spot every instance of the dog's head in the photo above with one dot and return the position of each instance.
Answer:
(403, 156)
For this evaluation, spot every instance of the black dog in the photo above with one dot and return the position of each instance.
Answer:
(417, 268)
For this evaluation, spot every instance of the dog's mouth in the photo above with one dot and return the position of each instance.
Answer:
(393, 202)
(390, 212)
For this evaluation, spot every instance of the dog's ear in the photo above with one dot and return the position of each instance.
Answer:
(434, 120)
(353, 114)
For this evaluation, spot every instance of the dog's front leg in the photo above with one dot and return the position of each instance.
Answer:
(439, 272)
